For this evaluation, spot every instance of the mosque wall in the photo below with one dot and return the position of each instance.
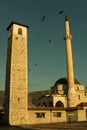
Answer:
(57, 98)
(46, 115)
(80, 94)
(72, 116)
(81, 115)
(54, 115)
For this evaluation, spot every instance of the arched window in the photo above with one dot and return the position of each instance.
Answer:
(20, 31)
(59, 104)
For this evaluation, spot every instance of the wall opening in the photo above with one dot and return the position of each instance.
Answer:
(59, 104)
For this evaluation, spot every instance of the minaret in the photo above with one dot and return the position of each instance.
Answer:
(16, 90)
(69, 59)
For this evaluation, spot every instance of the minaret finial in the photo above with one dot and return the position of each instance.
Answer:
(66, 17)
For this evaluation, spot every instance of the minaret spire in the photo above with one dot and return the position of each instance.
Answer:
(69, 60)
(66, 17)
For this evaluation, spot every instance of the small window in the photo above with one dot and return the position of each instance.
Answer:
(20, 31)
(79, 97)
(78, 88)
(57, 114)
(40, 115)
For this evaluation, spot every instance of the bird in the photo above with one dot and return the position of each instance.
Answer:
(35, 64)
(49, 41)
(62, 11)
(43, 18)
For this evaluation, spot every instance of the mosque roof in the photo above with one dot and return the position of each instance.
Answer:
(64, 80)
(82, 104)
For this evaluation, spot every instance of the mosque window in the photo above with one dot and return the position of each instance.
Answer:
(20, 31)
(56, 114)
(40, 115)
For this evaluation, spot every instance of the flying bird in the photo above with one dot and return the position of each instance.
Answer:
(49, 41)
(43, 18)
(62, 11)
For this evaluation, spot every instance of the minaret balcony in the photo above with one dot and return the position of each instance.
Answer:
(68, 36)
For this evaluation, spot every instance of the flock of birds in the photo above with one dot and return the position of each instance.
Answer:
(43, 19)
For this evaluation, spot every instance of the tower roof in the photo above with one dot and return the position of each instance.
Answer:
(17, 24)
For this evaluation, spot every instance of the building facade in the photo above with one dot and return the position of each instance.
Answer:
(67, 101)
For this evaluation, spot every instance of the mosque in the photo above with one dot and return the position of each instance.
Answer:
(58, 96)
(67, 100)
(67, 91)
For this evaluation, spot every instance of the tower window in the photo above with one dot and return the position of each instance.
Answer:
(79, 97)
(78, 88)
(20, 31)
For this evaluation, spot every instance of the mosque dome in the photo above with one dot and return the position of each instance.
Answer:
(64, 81)
(61, 86)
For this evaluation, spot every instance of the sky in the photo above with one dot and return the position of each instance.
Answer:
(46, 46)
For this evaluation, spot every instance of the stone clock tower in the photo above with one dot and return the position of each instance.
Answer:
(16, 91)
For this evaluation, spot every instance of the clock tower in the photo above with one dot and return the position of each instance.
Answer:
(16, 89)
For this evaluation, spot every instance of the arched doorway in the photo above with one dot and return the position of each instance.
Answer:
(59, 104)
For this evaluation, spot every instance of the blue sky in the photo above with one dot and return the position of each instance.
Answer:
(46, 60)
